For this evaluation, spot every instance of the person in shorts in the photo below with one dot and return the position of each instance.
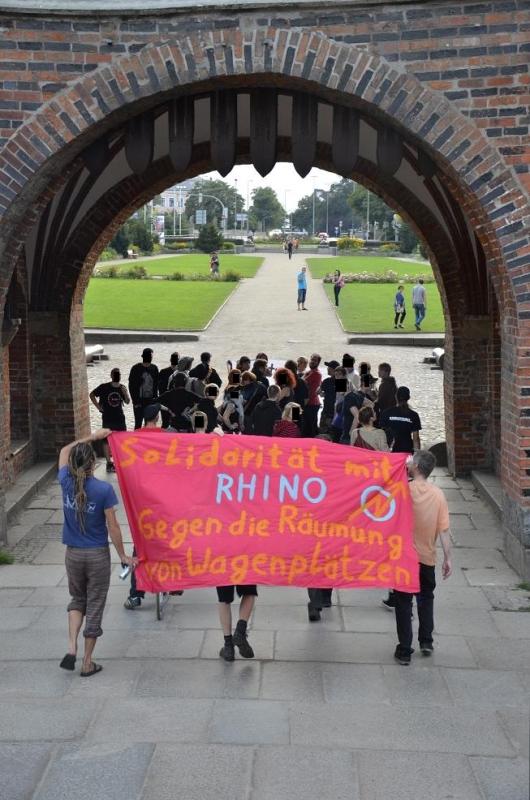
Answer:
(109, 399)
(225, 596)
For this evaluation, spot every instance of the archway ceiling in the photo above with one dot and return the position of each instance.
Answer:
(379, 148)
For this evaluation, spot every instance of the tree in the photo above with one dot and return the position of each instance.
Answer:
(140, 235)
(379, 211)
(210, 238)
(120, 242)
(331, 208)
(408, 241)
(266, 211)
(221, 190)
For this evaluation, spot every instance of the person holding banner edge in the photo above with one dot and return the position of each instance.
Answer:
(89, 519)
(431, 519)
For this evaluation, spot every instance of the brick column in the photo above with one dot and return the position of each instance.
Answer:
(60, 409)
(4, 437)
(468, 395)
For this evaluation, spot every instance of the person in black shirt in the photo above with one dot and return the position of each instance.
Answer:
(267, 412)
(211, 374)
(328, 392)
(351, 405)
(259, 369)
(143, 385)
(207, 405)
(178, 400)
(300, 391)
(402, 423)
(109, 399)
(163, 381)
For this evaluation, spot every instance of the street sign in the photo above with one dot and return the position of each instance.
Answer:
(200, 216)
(241, 217)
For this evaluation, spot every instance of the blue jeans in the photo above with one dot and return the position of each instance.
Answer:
(420, 313)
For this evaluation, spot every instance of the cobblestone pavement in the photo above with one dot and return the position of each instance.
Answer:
(262, 315)
(321, 713)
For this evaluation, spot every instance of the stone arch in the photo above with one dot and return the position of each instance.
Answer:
(42, 153)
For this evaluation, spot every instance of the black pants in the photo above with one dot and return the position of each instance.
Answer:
(425, 603)
(310, 418)
(134, 592)
(399, 317)
(337, 289)
(317, 597)
(139, 412)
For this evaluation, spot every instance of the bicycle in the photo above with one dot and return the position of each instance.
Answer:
(161, 598)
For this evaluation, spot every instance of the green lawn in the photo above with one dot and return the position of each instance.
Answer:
(320, 267)
(153, 305)
(246, 266)
(369, 308)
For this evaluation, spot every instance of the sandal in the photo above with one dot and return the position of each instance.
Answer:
(68, 662)
(95, 668)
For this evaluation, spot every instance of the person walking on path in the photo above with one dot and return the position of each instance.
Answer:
(225, 596)
(419, 302)
(290, 249)
(109, 399)
(143, 385)
(399, 308)
(214, 265)
(338, 284)
(302, 289)
(431, 520)
(89, 518)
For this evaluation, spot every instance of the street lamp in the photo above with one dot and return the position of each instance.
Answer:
(235, 206)
(326, 192)
(249, 184)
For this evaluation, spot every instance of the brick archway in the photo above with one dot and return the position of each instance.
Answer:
(42, 153)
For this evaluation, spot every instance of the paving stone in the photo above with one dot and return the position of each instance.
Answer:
(501, 654)
(469, 622)
(48, 720)
(151, 720)
(10, 598)
(512, 624)
(41, 516)
(492, 577)
(384, 775)
(371, 598)
(262, 643)
(480, 539)
(322, 645)
(118, 679)
(482, 687)
(284, 681)
(354, 683)
(215, 679)
(196, 615)
(166, 644)
(51, 553)
(15, 534)
(32, 644)
(423, 685)
(472, 558)
(502, 778)
(21, 768)
(115, 772)
(460, 597)
(515, 725)
(369, 620)
(33, 679)
(304, 774)
(294, 618)
(199, 772)
(450, 730)
(281, 596)
(503, 599)
(461, 522)
(46, 596)
(249, 722)
(24, 575)
(15, 619)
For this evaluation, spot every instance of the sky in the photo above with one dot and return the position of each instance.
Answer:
(284, 179)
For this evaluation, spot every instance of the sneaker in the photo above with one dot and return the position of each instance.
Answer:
(395, 327)
(241, 642)
(400, 326)
(389, 603)
(426, 648)
(227, 652)
(402, 657)
(417, 327)
(177, 593)
(132, 602)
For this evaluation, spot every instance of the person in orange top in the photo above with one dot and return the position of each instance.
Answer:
(431, 520)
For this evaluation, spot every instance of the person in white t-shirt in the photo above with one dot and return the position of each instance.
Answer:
(419, 302)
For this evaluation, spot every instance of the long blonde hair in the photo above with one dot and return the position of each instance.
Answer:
(81, 461)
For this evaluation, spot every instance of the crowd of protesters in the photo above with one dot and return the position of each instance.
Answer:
(347, 405)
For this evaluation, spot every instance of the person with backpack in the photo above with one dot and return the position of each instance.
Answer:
(109, 399)
(143, 385)
(164, 376)
(367, 436)
(180, 401)
(212, 375)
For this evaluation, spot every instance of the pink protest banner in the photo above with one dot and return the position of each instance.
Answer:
(212, 511)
